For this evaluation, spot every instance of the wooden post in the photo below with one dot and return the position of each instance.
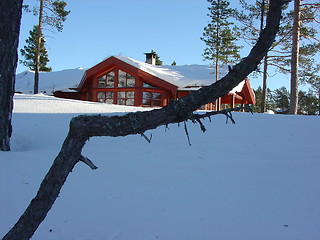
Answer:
(232, 101)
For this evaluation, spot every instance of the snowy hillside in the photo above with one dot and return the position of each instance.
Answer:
(49, 81)
(255, 180)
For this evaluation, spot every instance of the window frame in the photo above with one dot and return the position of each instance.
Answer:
(125, 98)
(153, 101)
(104, 98)
(127, 77)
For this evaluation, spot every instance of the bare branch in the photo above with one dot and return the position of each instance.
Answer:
(186, 131)
(225, 112)
(88, 162)
(280, 67)
(146, 138)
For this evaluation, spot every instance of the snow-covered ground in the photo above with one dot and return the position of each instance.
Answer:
(255, 180)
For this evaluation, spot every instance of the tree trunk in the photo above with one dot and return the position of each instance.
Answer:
(265, 64)
(10, 17)
(218, 100)
(84, 127)
(37, 55)
(295, 59)
(264, 85)
(319, 102)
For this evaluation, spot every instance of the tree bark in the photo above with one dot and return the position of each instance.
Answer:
(10, 17)
(265, 64)
(83, 127)
(37, 55)
(218, 100)
(293, 109)
(264, 85)
(319, 102)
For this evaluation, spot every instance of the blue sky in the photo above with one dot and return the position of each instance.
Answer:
(97, 29)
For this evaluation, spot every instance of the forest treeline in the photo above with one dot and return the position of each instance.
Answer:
(278, 101)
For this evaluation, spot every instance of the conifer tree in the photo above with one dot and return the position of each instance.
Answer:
(252, 19)
(281, 100)
(219, 37)
(308, 103)
(158, 61)
(281, 55)
(53, 14)
(29, 52)
(269, 100)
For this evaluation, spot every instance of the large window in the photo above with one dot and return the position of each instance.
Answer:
(125, 79)
(151, 99)
(106, 81)
(105, 97)
(125, 98)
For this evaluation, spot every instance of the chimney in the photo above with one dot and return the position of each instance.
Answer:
(151, 58)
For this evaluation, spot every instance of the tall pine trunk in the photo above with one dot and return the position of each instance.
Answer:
(37, 55)
(264, 85)
(218, 101)
(10, 17)
(295, 59)
(265, 64)
(319, 102)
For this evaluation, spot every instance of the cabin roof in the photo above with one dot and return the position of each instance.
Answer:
(180, 76)
(185, 78)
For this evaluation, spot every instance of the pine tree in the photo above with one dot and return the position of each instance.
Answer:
(258, 95)
(53, 14)
(158, 61)
(297, 46)
(280, 54)
(308, 103)
(281, 100)
(219, 37)
(301, 16)
(312, 78)
(270, 104)
(29, 52)
(252, 19)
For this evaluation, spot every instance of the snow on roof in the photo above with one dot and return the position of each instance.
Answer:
(238, 88)
(180, 76)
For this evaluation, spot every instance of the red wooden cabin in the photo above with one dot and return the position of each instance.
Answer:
(125, 81)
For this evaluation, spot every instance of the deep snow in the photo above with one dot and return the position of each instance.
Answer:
(255, 180)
